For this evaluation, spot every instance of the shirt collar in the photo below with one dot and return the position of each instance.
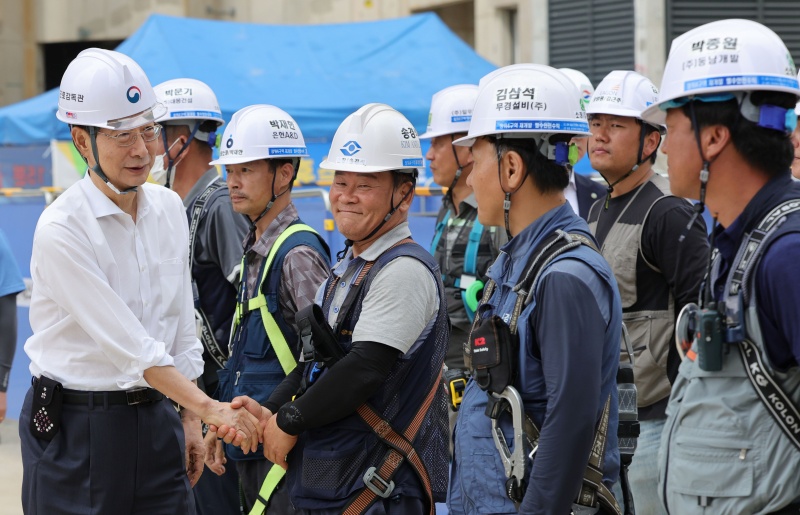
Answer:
(378, 247)
(285, 217)
(102, 206)
(728, 240)
(572, 178)
(515, 254)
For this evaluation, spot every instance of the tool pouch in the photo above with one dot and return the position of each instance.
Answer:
(493, 348)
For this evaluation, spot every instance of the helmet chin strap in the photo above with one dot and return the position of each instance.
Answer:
(170, 160)
(392, 209)
(704, 173)
(507, 200)
(251, 235)
(639, 161)
(459, 169)
(99, 171)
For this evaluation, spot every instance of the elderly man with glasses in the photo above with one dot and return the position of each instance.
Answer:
(113, 320)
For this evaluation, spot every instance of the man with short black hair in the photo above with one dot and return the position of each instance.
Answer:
(639, 226)
(729, 445)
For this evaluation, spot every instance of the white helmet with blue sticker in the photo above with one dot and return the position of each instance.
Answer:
(376, 138)
(451, 111)
(260, 131)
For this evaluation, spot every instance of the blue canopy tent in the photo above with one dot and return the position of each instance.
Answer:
(317, 73)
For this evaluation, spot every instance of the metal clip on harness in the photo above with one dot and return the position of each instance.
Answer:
(514, 463)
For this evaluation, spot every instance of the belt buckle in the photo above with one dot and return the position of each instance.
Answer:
(376, 483)
(136, 396)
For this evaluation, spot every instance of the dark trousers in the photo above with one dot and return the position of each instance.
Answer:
(252, 474)
(218, 495)
(107, 459)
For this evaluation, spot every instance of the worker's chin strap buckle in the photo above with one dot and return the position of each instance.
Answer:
(377, 484)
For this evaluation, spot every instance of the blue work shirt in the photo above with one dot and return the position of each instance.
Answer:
(776, 284)
(568, 358)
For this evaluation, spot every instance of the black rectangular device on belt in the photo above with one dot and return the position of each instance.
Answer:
(48, 399)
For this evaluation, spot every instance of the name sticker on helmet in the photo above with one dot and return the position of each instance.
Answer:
(741, 80)
(539, 125)
(412, 162)
(456, 119)
(193, 114)
(75, 97)
(287, 151)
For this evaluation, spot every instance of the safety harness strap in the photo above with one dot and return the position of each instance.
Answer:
(378, 480)
(779, 405)
(439, 230)
(277, 339)
(207, 337)
(274, 477)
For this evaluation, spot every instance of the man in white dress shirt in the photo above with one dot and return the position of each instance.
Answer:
(113, 319)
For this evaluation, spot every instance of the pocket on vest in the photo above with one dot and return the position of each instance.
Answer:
(333, 474)
(713, 464)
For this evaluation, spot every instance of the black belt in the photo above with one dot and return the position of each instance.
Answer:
(131, 397)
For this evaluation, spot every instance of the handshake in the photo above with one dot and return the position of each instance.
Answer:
(247, 424)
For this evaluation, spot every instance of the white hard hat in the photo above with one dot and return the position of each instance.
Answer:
(623, 93)
(526, 101)
(376, 138)
(260, 132)
(451, 111)
(581, 82)
(188, 99)
(720, 58)
(104, 88)
(797, 107)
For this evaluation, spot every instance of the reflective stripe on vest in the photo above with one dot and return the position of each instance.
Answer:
(274, 477)
(276, 337)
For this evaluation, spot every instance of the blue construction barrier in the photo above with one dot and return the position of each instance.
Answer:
(18, 217)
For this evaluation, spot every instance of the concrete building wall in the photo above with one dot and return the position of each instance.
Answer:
(502, 31)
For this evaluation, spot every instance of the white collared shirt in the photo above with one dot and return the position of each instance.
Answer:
(111, 298)
(571, 192)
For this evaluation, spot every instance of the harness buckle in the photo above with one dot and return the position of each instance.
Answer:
(377, 484)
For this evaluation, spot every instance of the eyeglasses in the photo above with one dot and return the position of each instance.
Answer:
(126, 139)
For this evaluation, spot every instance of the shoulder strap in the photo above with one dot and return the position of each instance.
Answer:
(552, 247)
(274, 333)
(775, 400)
(471, 254)
(355, 289)
(439, 230)
(198, 207)
(778, 404)
(207, 337)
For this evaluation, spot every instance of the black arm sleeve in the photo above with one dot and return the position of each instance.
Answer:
(340, 391)
(8, 337)
(284, 392)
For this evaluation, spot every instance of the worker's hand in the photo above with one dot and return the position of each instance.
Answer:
(254, 408)
(238, 426)
(193, 431)
(215, 455)
(277, 444)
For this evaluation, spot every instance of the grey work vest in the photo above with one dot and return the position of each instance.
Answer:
(722, 451)
(651, 330)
